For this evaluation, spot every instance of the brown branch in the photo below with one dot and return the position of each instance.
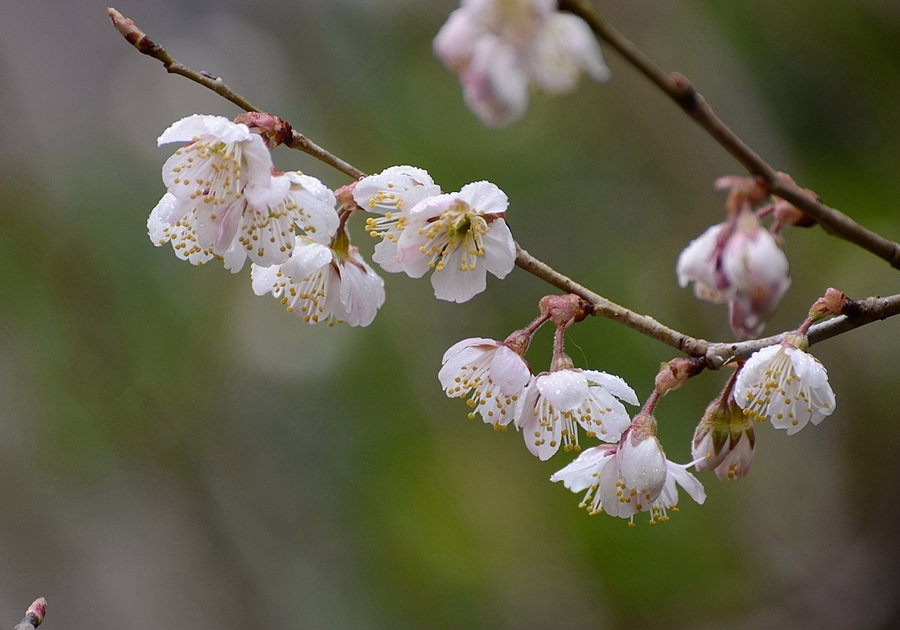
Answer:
(715, 354)
(34, 615)
(139, 39)
(680, 90)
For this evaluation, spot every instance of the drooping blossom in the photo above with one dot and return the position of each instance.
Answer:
(223, 200)
(557, 402)
(785, 385)
(390, 195)
(630, 477)
(500, 47)
(491, 373)
(724, 440)
(461, 236)
(741, 263)
(322, 283)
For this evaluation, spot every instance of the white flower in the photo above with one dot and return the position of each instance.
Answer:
(785, 385)
(499, 47)
(557, 402)
(259, 224)
(739, 262)
(318, 283)
(220, 159)
(495, 374)
(724, 440)
(461, 236)
(633, 477)
(392, 194)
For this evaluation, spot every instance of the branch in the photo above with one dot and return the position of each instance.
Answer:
(34, 615)
(138, 38)
(715, 354)
(680, 90)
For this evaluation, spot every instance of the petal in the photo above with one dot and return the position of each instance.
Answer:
(484, 197)
(564, 389)
(499, 249)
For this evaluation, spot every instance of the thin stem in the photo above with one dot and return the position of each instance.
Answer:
(680, 90)
(137, 38)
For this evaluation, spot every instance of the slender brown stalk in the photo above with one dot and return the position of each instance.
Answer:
(680, 90)
(139, 39)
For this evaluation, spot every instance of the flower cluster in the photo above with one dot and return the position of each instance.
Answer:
(500, 47)
(460, 236)
(226, 200)
(627, 474)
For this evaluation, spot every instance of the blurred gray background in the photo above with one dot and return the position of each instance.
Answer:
(178, 453)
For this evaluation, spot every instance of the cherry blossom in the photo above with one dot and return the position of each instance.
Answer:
(741, 263)
(555, 403)
(320, 283)
(724, 440)
(391, 194)
(490, 373)
(785, 385)
(461, 236)
(631, 477)
(500, 47)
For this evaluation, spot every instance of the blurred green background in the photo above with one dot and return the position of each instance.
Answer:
(178, 453)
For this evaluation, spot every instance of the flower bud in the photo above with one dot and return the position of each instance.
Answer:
(724, 440)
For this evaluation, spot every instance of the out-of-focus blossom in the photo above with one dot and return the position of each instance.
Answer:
(461, 236)
(724, 440)
(785, 385)
(500, 47)
(741, 263)
(557, 402)
(490, 373)
(320, 283)
(391, 194)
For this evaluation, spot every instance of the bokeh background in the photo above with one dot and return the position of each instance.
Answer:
(178, 453)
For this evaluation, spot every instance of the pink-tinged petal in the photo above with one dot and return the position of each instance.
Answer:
(472, 342)
(509, 370)
(453, 44)
(227, 225)
(499, 249)
(484, 197)
(385, 255)
(495, 85)
(561, 50)
(197, 125)
(457, 286)
(361, 292)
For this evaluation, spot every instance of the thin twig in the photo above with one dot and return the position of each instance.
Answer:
(680, 90)
(34, 615)
(715, 354)
(139, 39)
